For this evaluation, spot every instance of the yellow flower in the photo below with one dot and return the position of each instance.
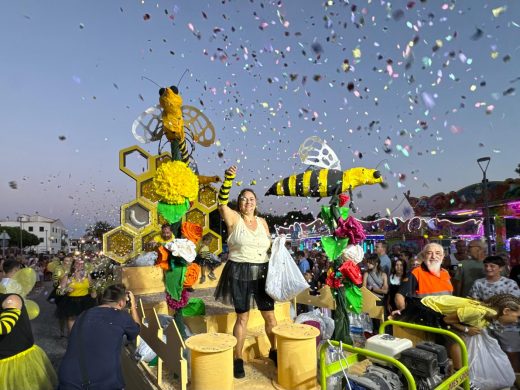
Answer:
(174, 182)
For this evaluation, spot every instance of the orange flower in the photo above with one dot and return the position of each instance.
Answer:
(192, 275)
(162, 258)
(191, 231)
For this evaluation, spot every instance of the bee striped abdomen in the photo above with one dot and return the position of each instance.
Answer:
(185, 156)
(313, 183)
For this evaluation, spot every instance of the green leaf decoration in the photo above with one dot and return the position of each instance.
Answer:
(173, 212)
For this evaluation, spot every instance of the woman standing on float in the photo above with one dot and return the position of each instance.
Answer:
(243, 277)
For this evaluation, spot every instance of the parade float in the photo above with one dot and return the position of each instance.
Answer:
(156, 243)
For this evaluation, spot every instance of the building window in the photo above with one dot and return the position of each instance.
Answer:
(41, 239)
(30, 228)
(41, 228)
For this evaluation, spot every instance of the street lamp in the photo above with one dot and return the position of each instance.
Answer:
(20, 219)
(5, 241)
(487, 223)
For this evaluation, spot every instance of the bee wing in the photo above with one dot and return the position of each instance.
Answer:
(148, 126)
(199, 125)
(315, 151)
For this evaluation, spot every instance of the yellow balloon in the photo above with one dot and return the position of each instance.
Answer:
(53, 264)
(32, 309)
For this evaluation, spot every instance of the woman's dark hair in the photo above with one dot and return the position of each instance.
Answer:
(374, 259)
(72, 268)
(113, 293)
(240, 196)
(392, 269)
(498, 260)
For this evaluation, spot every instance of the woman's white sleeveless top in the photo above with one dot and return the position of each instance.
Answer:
(249, 246)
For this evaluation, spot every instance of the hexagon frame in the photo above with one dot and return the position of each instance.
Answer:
(153, 227)
(123, 153)
(152, 215)
(136, 247)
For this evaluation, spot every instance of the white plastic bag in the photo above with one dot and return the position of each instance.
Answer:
(326, 323)
(144, 352)
(284, 279)
(489, 367)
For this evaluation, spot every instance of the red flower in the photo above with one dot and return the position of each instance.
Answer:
(351, 271)
(332, 281)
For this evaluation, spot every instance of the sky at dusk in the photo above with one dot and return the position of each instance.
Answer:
(419, 89)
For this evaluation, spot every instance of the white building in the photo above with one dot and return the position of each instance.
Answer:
(51, 232)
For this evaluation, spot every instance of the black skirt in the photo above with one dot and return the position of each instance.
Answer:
(243, 285)
(68, 307)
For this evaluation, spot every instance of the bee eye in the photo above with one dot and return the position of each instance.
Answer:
(174, 89)
(161, 91)
(377, 175)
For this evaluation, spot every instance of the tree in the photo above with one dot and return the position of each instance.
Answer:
(517, 170)
(98, 229)
(28, 239)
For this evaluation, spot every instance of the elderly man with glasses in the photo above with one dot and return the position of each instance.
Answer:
(470, 270)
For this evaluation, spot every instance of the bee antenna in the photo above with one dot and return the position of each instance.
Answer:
(380, 162)
(146, 78)
(179, 83)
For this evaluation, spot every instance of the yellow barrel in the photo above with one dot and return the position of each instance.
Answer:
(297, 357)
(211, 361)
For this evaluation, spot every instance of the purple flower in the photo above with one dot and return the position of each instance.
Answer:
(176, 305)
(351, 229)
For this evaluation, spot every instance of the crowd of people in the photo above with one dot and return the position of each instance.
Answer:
(84, 293)
(464, 281)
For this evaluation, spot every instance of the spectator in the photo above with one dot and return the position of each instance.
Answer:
(94, 349)
(386, 264)
(397, 275)
(407, 257)
(470, 270)
(11, 286)
(303, 263)
(23, 365)
(375, 279)
(427, 279)
(396, 252)
(494, 284)
(460, 254)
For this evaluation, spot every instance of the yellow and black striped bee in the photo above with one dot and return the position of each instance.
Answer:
(328, 181)
(323, 183)
(174, 120)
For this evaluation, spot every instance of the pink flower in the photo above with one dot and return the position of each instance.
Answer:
(176, 305)
(351, 229)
